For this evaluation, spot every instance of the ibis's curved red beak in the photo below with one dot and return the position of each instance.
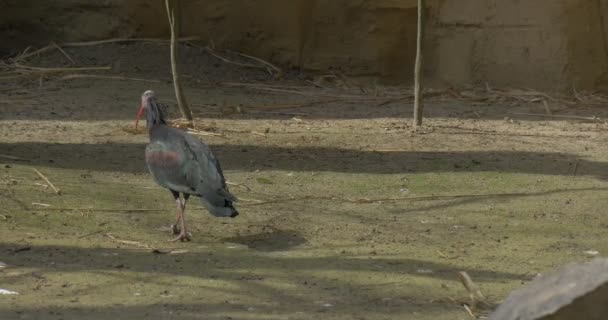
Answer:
(139, 113)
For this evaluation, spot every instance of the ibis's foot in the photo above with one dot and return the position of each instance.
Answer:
(182, 236)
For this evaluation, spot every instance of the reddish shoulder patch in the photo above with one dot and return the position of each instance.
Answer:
(163, 158)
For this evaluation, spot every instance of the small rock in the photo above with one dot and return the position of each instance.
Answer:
(424, 271)
(592, 252)
(4, 291)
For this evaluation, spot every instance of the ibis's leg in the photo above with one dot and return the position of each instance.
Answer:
(183, 234)
(178, 213)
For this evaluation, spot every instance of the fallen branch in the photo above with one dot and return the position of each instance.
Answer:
(115, 40)
(39, 51)
(281, 113)
(6, 156)
(238, 185)
(90, 234)
(65, 54)
(130, 242)
(53, 70)
(271, 66)
(264, 85)
(474, 292)
(593, 118)
(98, 210)
(469, 311)
(92, 76)
(240, 64)
(40, 204)
(293, 105)
(241, 199)
(307, 93)
(206, 133)
(57, 191)
(376, 200)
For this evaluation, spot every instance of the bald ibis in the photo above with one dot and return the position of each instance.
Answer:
(184, 165)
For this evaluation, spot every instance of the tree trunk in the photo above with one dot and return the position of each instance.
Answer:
(418, 98)
(179, 94)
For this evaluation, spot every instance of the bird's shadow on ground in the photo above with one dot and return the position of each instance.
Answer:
(269, 239)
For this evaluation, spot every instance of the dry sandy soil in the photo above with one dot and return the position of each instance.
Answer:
(345, 214)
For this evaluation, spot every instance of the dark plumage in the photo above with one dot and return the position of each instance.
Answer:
(184, 165)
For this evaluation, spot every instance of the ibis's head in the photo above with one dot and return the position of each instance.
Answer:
(155, 113)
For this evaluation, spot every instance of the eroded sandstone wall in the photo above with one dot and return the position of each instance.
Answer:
(542, 44)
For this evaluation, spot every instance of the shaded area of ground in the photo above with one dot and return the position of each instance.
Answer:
(345, 214)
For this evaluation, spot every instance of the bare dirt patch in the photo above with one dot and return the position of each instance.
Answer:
(345, 213)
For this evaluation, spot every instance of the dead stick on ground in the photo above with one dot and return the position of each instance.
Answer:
(98, 210)
(115, 40)
(90, 234)
(474, 291)
(249, 200)
(469, 311)
(238, 185)
(39, 51)
(226, 60)
(24, 52)
(6, 156)
(50, 70)
(311, 93)
(130, 242)
(206, 133)
(278, 70)
(57, 191)
(63, 52)
(593, 118)
(92, 76)
(421, 198)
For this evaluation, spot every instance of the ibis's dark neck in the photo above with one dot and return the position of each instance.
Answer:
(155, 115)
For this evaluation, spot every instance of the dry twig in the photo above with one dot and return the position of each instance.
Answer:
(257, 86)
(99, 210)
(39, 51)
(593, 118)
(93, 76)
(6, 156)
(277, 70)
(469, 311)
(129, 242)
(57, 191)
(240, 64)
(238, 185)
(65, 54)
(474, 292)
(55, 70)
(40, 204)
(206, 133)
(115, 40)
